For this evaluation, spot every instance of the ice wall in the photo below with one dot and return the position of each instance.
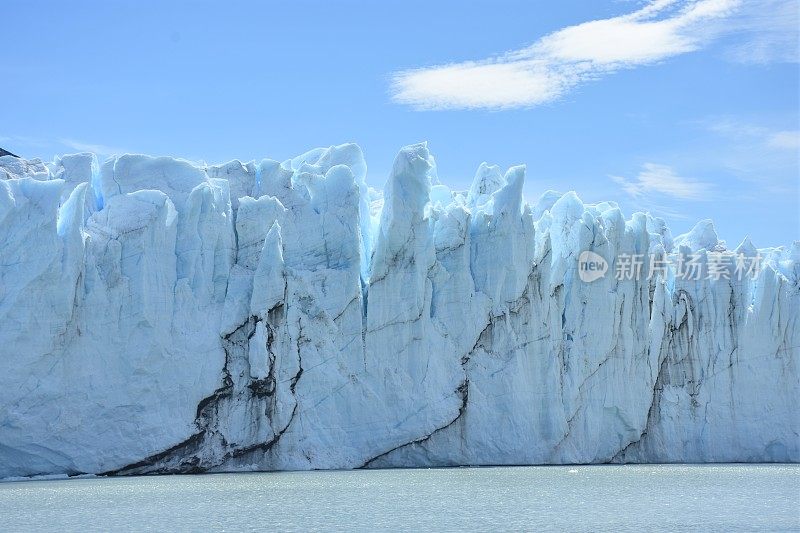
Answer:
(161, 316)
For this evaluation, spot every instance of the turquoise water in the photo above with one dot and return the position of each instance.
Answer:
(620, 498)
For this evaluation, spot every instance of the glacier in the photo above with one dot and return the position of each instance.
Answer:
(164, 316)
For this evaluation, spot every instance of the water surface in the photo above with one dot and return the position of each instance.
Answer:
(621, 498)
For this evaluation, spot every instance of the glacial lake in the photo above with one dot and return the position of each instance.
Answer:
(619, 498)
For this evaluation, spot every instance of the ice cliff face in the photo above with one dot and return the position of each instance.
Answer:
(160, 316)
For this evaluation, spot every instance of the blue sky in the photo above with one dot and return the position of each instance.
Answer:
(688, 109)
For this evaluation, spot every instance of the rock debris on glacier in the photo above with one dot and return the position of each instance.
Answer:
(160, 316)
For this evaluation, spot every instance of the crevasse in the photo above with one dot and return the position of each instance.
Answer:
(161, 316)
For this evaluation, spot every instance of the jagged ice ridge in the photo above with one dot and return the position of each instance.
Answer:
(164, 316)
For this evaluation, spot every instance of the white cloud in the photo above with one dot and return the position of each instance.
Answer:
(561, 60)
(473, 85)
(655, 179)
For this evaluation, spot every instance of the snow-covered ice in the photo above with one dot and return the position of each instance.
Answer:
(163, 316)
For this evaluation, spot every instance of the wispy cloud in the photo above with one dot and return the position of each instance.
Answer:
(784, 140)
(754, 135)
(40, 147)
(99, 149)
(662, 180)
(23, 140)
(770, 32)
(765, 157)
(559, 61)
